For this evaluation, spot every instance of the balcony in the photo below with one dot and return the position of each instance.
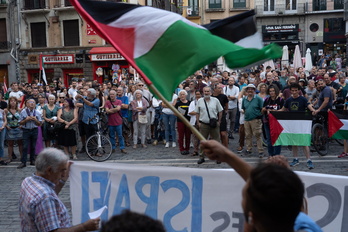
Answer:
(61, 3)
(194, 11)
(3, 3)
(175, 6)
(34, 4)
(5, 45)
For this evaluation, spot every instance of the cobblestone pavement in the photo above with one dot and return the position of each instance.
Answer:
(11, 177)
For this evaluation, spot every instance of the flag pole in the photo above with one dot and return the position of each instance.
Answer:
(40, 70)
(176, 112)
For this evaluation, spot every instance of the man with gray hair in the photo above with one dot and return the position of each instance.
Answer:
(40, 208)
(90, 105)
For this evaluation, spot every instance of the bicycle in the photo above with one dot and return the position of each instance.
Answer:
(320, 137)
(98, 146)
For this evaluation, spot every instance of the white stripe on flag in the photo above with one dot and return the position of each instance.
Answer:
(345, 126)
(150, 24)
(296, 126)
(253, 41)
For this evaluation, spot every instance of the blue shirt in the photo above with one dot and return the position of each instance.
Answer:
(90, 111)
(40, 209)
(30, 124)
(124, 100)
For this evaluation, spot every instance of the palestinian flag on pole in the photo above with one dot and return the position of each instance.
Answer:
(290, 128)
(338, 124)
(42, 70)
(166, 48)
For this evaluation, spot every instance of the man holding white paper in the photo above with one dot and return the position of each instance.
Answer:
(40, 208)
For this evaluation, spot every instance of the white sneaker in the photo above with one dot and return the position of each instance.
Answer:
(174, 144)
(167, 144)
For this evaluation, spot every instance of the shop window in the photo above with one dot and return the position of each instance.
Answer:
(291, 5)
(194, 6)
(239, 4)
(319, 5)
(38, 35)
(4, 44)
(338, 4)
(214, 3)
(268, 6)
(71, 33)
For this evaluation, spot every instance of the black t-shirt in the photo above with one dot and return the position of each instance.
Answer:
(183, 109)
(298, 104)
(222, 99)
(3, 105)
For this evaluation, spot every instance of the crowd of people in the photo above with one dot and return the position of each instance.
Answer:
(219, 105)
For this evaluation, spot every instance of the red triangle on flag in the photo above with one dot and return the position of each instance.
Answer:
(117, 36)
(275, 128)
(334, 123)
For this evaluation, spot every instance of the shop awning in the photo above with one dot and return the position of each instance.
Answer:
(103, 50)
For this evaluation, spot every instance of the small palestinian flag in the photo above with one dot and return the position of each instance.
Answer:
(166, 48)
(338, 124)
(290, 128)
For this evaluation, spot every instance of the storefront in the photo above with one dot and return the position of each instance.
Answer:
(334, 36)
(52, 63)
(107, 64)
(286, 34)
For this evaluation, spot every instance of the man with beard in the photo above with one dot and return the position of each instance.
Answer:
(325, 98)
(252, 105)
(90, 105)
(232, 92)
(224, 103)
(208, 108)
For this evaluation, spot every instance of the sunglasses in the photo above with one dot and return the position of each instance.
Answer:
(140, 85)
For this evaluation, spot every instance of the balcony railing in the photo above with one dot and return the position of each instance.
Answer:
(34, 4)
(3, 2)
(194, 10)
(5, 45)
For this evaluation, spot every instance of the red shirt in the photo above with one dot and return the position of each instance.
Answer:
(115, 119)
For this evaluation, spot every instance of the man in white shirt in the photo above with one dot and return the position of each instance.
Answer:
(73, 90)
(232, 92)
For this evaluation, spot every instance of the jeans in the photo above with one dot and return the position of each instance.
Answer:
(29, 138)
(169, 125)
(2, 140)
(116, 130)
(272, 150)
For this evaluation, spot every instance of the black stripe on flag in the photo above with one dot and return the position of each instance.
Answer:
(106, 12)
(234, 28)
(282, 115)
(341, 114)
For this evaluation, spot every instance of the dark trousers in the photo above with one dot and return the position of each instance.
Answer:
(29, 139)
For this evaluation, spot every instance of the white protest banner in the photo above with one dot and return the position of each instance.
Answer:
(189, 199)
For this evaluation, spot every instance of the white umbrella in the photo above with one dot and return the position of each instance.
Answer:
(297, 62)
(308, 66)
(285, 57)
(268, 63)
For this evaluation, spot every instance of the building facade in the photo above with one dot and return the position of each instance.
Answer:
(52, 30)
(314, 24)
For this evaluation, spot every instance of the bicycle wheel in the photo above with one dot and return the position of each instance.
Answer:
(320, 139)
(98, 147)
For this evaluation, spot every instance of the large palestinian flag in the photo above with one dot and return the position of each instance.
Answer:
(290, 128)
(338, 124)
(166, 48)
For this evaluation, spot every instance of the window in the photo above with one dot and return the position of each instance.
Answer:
(67, 3)
(319, 5)
(239, 4)
(34, 4)
(291, 5)
(71, 32)
(3, 35)
(194, 7)
(38, 35)
(338, 4)
(268, 5)
(214, 3)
